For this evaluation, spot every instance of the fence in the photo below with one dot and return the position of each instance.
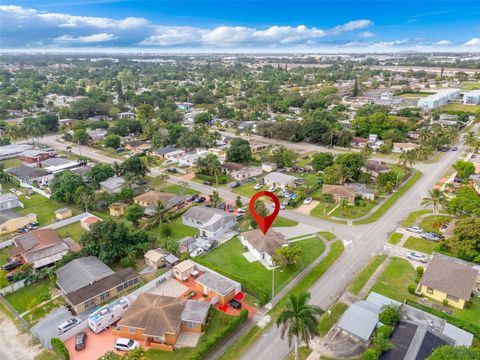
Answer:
(23, 323)
(13, 287)
(34, 189)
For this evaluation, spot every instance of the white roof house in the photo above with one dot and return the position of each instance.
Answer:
(113, 185)
(190, 159)
(56, 165)
(211, 222)
(279, 180)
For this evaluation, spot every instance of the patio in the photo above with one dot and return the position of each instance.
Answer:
(187, 339)
(170, 287)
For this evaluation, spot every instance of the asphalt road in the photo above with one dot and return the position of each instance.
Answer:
(364, 240)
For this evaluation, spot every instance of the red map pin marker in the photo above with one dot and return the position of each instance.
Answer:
(264, 222)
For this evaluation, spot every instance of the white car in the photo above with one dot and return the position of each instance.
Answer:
(197, 252)
(257, 187)
(282, 206)
(67, 325)
(241, 210)
(307, 201)
(417, 257)
(415, 229)
(271, 188)
(123, 344)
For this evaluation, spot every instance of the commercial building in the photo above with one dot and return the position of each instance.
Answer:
(439, 99)
(472, 97)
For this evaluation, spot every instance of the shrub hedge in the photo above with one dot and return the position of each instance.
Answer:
(60, 348)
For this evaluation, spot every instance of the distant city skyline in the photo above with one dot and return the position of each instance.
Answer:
(240, 26)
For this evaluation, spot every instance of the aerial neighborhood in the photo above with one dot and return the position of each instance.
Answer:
(127, 229)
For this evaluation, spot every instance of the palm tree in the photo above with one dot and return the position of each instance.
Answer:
(408, 158)
(13, 132)
(345, 206)
(117, 168)
(160, 217)
(471, 140)
(215, 198)
(366, 152)
(436, 199)
(299, 320)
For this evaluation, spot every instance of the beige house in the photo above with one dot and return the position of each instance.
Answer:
(183, 270)
(340, 193)
(401, 147)
(448, 279)
(11, 221)
(150, 199)
(117, 209)
(155, 258)
(62, 214)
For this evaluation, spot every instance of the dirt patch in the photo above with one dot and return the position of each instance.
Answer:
(14, 344)
(305, 209)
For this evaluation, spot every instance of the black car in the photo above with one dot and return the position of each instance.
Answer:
(200, 200)
(80, 341)
(235, 304)
(454, 148)
(192, 197)
(206, 182)
(11, 265)
(172, 170)
(221, 206)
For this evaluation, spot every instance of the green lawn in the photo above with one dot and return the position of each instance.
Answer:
(247, 189)
(216, 324)
(179, 230)
(228, 259)
(395, 238)
(328, 320)
(40, 205)
(470, 85)
(9, 163)
(327, 235)
(433, 223)
(354, 212)
(39, 312)
(283, 222)
(29, 296)
(362, 278)
(419, 244)
(470, 314)
(415, 94)
(394, 280)
(463, 107)
(4, 254)
(75, 231)
(179, 190)
(322, 209)
(413, 216)
(303, 353)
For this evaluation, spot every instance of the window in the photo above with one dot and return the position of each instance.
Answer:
(105, 295)
(89, 303)
(189, 324)
(120, 288)
(429, 290)
(453, 298)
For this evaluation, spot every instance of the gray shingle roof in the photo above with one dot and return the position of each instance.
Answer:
(216, 283)
(6, 215)
(196, 311)
(81, 272)
(25, 171)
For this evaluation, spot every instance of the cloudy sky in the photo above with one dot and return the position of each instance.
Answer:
(228, 26)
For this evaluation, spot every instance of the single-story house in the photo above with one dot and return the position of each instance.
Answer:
(161, 320)
(340, 193)
(183, 270)
(163, 151)
(66, 122)
(191, 159)
(256, 147)
(401, 147)
(269, 166)
(126, 115)
(87, 282)
(279, 180)
(29, 175)
(35, 156)
(246, 173)
(88, 221)
(211, 222)
(117, 209)
(62, 214)
(83, 171)
(138, 146)
(375, 168)
(150, 200)
(216, 287)
(9, 201)
(11, 221)
(97, 134)
(113, 185)
(56, 165)
(155, 258)
(362, 191)
(13, 151)
(449, 279)
(185, 244)
(230, 167)
(476, 182)
(42, 247)
(359, 141)
(174, 155)
(263, 247)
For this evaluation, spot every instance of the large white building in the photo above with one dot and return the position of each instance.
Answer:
(472, 97)
(439, 99)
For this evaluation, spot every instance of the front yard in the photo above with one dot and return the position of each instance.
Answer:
(419, 244)
(433, 223)
(228, 259)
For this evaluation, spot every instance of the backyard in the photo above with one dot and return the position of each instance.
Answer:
(470, 85)
(463, 107)
(75, 231)
(40, 205)
(179, 230)
(228, 258)
(29, 296)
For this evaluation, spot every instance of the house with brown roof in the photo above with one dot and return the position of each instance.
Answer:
(87, 282)
(217, 288)
(117, 209)
(42, 247)
(150, 200)
(359, 141)
(375, 168)
(161, 320)
(449, 279)
(230, 167)
(340, 193)
(137, 146)
(263, 247)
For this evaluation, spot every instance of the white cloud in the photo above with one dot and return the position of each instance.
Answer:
(366, 35)
(443, 43)
(350, 26)
(94, 38)
(473, 42)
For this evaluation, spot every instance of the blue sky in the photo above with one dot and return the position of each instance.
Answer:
(229, 26)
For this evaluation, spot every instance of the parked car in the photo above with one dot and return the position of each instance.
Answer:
(221, 206)
(81, 341)
(67, 325)
(172, 170)
(207, 182)
(235, 304)
(257, 187)
(454, 148)
(200, 200)
(234, 184)
(210, 245)
(271, 188)
(282, 206)
(11, 265)
(241, 210)
(192, 197)
(123, 344)
(230, 208)
(197, 252)
(417, 257)
(307, 201)
(239, 217)
(415, 229)
(431, 236)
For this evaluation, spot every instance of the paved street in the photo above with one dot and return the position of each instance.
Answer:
(364, 240)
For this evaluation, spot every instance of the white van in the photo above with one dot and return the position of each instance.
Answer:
(67, 325)
(123, 344)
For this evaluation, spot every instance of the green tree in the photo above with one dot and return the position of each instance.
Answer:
(283, 157)
(80, 136)
(64, 186)
(455, 353)
(321, 160)
(351, 164)
(471, 141)
(389, 315)
(299, 320)
(208, 165)
(465, 242)
(215, 198)
(239, 151)
(202, 118)
(134, 212)
(112, 141)
(287, 256)
(159, 218)
(135, 167)
(464, 168)
(355, 89)
(408, 158)
(100, 172)
(435, 199)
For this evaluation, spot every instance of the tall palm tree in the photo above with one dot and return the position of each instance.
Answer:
(13, 132)
(408, 158)
(435, 199)
(215, 199)
(117, 168)
(159, 218)
(345, 206)
(299, 320)
(471, 141)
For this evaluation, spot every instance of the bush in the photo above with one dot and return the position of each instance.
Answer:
(390, 315)
(420, 270)
(371, 354)
(445, 302)
(233, 325)
(60, 348)
(128, 262)
(411, 288)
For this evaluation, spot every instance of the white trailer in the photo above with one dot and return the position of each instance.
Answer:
(107, 315)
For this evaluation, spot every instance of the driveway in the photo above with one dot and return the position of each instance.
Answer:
(305, 209)
(297, 230)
